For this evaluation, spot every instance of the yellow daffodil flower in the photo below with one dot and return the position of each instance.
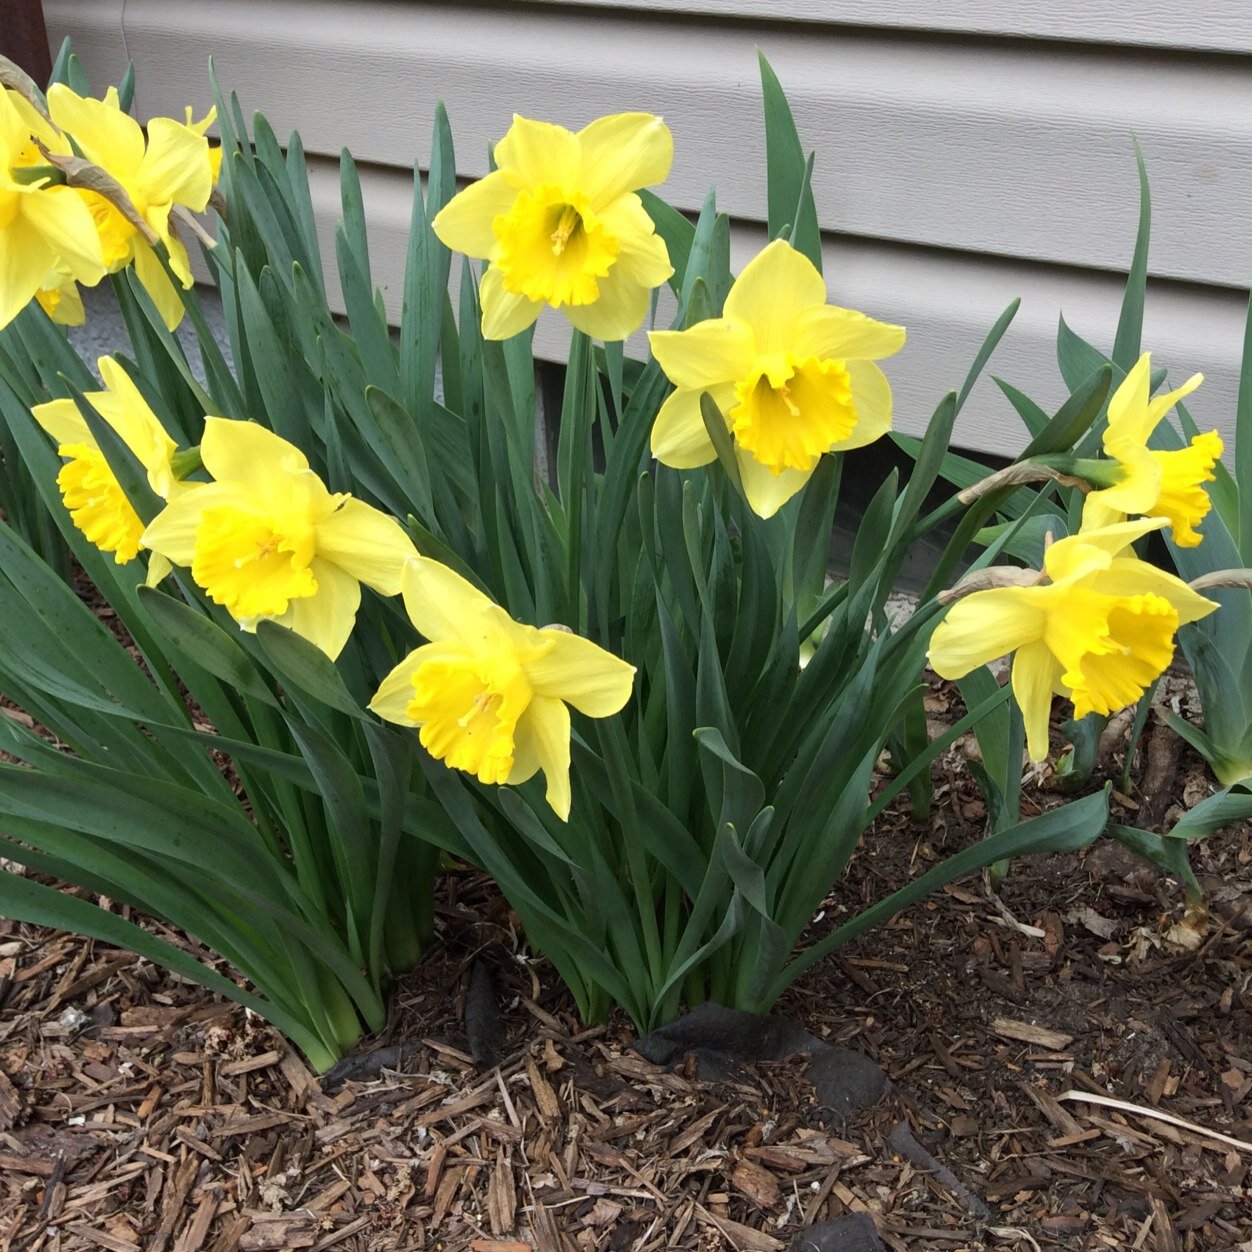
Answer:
(561, 225)
(1098, 627)
(45, 230)
(490, 694)
(1155, 484)
(793, 376)
(93, 496)
(170, 165)
(268, 541)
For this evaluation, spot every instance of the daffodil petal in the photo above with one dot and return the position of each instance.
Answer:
(1129, 576)
(175, 168)
(1079, 554)
(1097, 512)
(985, 625)
(680, 438)
(534, 153)
(441, 604)
(325, 618)
(719, 350)
(643, 257)
(395, 693)
(622, 153)
(1128, 406)
(505, 313)
(766, 491)
(247, 453)
(107, 136)
(871, 399)
(464, 224)
(25, 259)
(775, 288)
(367, 543)
(826, 331)
(617, 313)
(63, 219)
(157, 283)
(1035, 673)
(62, 420)
(547, 724)
(172, 532)
(581, 673)
(1158, 406)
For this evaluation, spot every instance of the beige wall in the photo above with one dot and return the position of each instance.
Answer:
(967, 153)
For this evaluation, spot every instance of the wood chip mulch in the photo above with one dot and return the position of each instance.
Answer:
(139, 1112)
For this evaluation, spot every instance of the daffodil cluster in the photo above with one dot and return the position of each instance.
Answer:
(86, 191)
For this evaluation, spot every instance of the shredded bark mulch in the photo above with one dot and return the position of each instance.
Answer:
(138, 1111)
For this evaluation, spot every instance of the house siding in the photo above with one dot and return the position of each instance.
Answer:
(966, 154)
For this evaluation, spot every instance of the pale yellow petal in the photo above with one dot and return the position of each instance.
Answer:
(505, 312)
(1128, 406)
(441, 604)
(106, 136)
(1035, 675)
(832, 333)
(643, 257)
(1098, 513)
(69, 230)
(156, 282)
(547, 724)
(617, 314)
(1129, 576)
(464, 224)
(766, 491)
(248, 454)
(622, 153)
(1158, 406)
(985, 625)
(1077, 555)
(367, 543)
(581, 673)
(125, 409)
(871, 398)
(680, 438)
(175, 168)
(1140, 482)
(62, 420)
(25, 259)
(534, 153)
(325, 618)
(395, 693)
(775, 288)
(719, 350)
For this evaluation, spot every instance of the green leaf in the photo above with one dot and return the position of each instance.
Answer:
(785, 169)
(306, 667)
(1126, 345)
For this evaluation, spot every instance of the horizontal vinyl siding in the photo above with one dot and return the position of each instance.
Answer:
(952, 173)
(1212, 25)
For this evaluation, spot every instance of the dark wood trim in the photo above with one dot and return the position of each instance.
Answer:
(24, 37)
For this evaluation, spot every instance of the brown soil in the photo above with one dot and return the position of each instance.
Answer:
(138, 1111)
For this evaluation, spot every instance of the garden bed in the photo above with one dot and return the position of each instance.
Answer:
(138, 1111)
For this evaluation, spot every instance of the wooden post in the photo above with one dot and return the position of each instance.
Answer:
(24, 37)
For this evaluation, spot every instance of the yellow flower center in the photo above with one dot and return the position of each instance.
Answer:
(1182, 498)
(468, 711)
(1112, 647)
(553, 248)
(251, 563)
(96, 503)
(791, 411)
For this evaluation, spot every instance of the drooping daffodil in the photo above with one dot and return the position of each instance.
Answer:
(489, 694)
(793, 376)
(1152, 483)
(1097, 626)
(96, 502)
(268, 541)
(168, 166)
(561, 225)
(46, 230)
